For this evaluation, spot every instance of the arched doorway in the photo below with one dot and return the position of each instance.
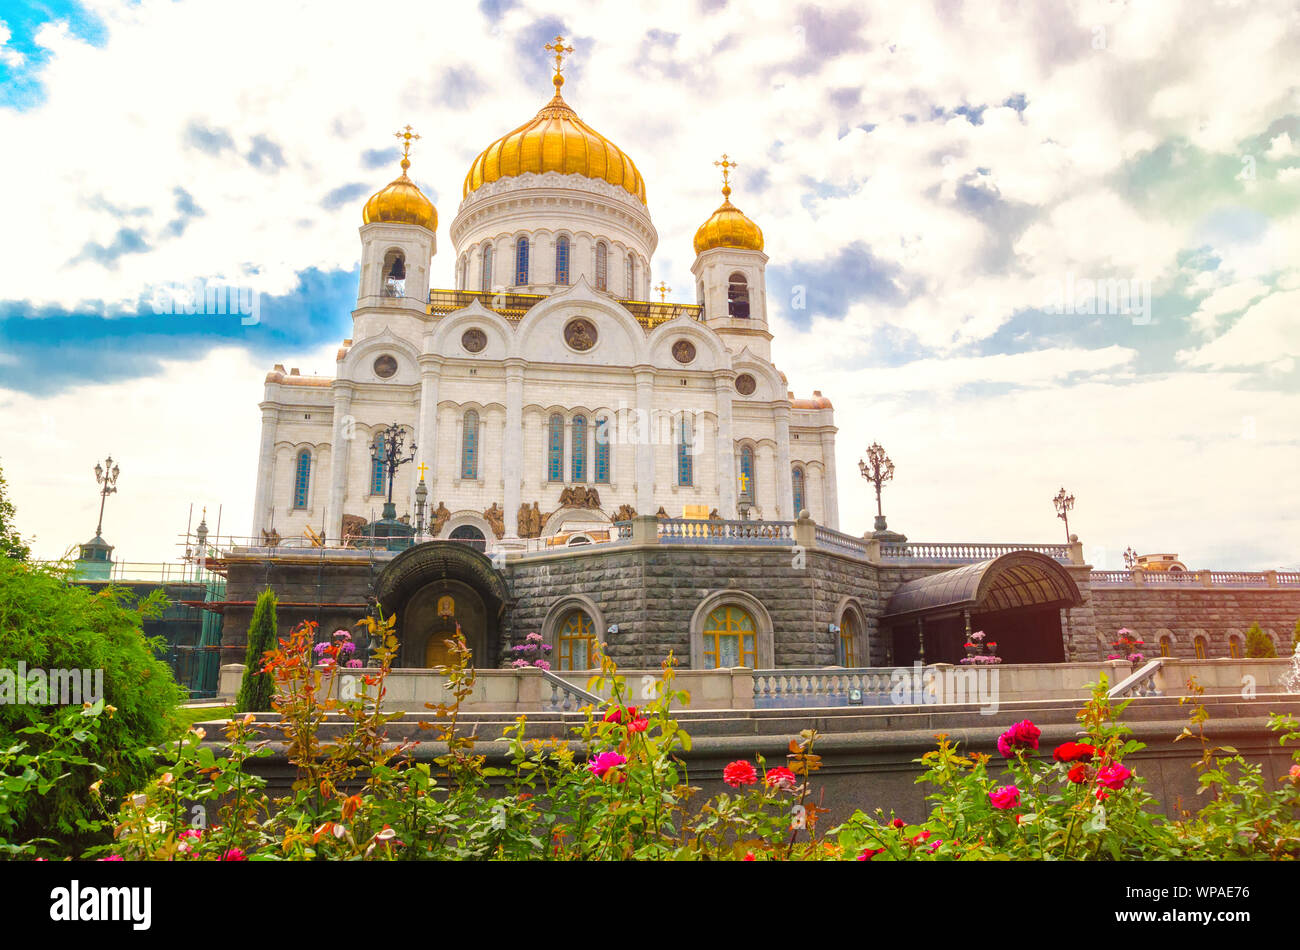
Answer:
(1016, 599)
(430, 588)
(468, 534)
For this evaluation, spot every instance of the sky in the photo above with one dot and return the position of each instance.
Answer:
(953, 198)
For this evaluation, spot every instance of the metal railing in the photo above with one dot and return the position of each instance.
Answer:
(961, 551)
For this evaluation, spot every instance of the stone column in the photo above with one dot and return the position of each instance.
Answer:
(426, 433)
(340, 443)
(512, 445)
(726, 449)
(784, 490)
(264, 493)
(830, 489)
(645, 450)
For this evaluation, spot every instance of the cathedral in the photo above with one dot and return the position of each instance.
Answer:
(547, 396)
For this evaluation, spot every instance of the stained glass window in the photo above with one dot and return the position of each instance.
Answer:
(302, 479)
(602, 268)
(555, 450)
(603, 437)
(684, 451)
(849, 640)
(747, 474)
(377, 466)
(579, 460)
(730, 639)
(796, 482)
(562, 260)
(629, 278)
(469, 446)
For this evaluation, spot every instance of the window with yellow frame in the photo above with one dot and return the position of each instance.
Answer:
(849, 639)
(1166, 648)
(1200, 648)
(576, 640)
(1234, 648)
(730, 638)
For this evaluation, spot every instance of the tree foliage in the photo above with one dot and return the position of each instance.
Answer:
(11, 542)
(258, 688)
(1258, 644)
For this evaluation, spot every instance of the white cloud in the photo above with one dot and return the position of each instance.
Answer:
(1280, 147)
(1267, 333)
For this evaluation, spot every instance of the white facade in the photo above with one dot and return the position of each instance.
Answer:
(422, 367)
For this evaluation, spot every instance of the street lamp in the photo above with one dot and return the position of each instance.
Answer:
(1130, 558)
(877, 469)
(1064, 503)
(106, 477)
(388, 451)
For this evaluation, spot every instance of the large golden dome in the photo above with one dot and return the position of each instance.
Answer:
(401, 202)
(555, 140)
(728, 227)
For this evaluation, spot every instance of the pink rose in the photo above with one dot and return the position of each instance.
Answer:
(604, 762)
(1113, 776)
(1007, 796)
(1022, 734)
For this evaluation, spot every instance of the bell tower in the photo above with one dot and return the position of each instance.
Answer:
(398, 238)
(730, 275)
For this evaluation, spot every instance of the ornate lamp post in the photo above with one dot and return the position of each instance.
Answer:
(388, 451)
(877, 468)
(1130, 558)
(106, 476)
(1064, 503)
(421, 500)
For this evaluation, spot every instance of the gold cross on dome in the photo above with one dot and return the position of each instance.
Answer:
(663, 291)
(726, 167)
(406, 136)
(560, 51)
(421, 468)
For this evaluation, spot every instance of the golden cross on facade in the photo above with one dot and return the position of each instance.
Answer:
(560, 51)
(744, 482)
(406, 136)
(663, 291)
(421, 468)
(726, 167)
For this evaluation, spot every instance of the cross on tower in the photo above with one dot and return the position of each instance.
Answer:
(726, 167)
(560, 51)
(406, 136)
(663, 291)
(421, 468)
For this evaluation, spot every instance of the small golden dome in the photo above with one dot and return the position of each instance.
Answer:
(555, 140)
(401, 202)
(728, 227)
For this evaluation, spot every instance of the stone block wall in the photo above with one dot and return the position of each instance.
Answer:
(1183, 613)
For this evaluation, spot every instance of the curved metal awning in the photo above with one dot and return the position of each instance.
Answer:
(437, 560)
(1018, 579)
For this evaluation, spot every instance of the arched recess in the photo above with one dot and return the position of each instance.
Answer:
(850, 609)
(554, 623)
(1165, 643)
(415, 587)
(1016, 599)
(746, 602)
(465, 517)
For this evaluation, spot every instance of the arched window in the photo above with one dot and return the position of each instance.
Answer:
(521, 262)
(685, 451)
(602, 266)
(555, 450)
(469, 446)
(562, 260)
(1234, 647)
(848, 645)
(578, 463)
(1166, 646)
(302, 479)
(1200, 647)
(576, 642)
(468, 534)
(738, 296)
(603, 437)
(730, 638)
(629, 277)
(377, 465)
(394, 274)
(796, 483)
(747, 492)
(485, 270)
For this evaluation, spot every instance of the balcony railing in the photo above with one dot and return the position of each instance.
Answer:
(811, 686)
(1166, 579)
(513, 306)
(965, 552)
(697, 531)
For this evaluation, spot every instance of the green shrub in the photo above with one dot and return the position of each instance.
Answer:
(1258, 644)
(48, 624)
(11, 542)
(257, 688)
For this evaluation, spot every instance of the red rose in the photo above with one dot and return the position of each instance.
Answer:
(899, 823)
(870, 853)
(1074, 752)
(1079, 774)
(739, 773)
(781, 777)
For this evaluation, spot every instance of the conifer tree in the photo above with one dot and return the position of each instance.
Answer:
(258, 688)
(1258, 645)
